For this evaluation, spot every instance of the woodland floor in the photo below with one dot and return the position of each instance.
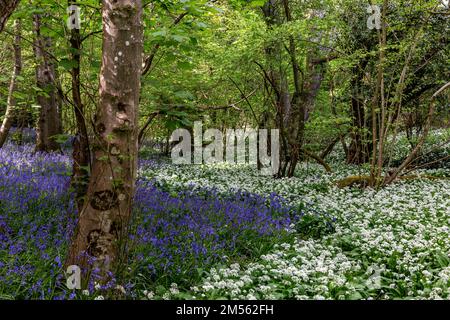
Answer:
(222, 231)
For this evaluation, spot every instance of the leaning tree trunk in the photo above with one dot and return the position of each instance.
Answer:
(427, 127)
(7, 7)
(11, 103)
(49, 123)
(103, 222)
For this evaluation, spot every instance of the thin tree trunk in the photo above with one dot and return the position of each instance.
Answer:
(360, 145)
(81, 152)
(103, 222)
(387, 119)
(49, 123)
(11, 103)
(143, 130)
(383, 102)
(7, 7)
(276, 77)
(296, 117)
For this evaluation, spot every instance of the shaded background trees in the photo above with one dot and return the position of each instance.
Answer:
(307, 68)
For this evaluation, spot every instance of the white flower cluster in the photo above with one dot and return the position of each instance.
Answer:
(392, 243)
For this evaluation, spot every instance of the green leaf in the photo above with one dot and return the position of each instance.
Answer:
(161, 33)
(179, 38)
(61, 138)
(68, 64)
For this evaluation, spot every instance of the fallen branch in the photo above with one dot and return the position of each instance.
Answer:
(363, 181)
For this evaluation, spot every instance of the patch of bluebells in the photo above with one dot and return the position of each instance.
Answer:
(178, 233)
(174, 234)
(37, 218)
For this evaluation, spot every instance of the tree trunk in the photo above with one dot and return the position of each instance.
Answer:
(303, 102)
(49, 123)
(360, 146)
(11, 103)
(276, 78)
(7, 7)
(292, 113)
(81, 152)
(103, 222)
